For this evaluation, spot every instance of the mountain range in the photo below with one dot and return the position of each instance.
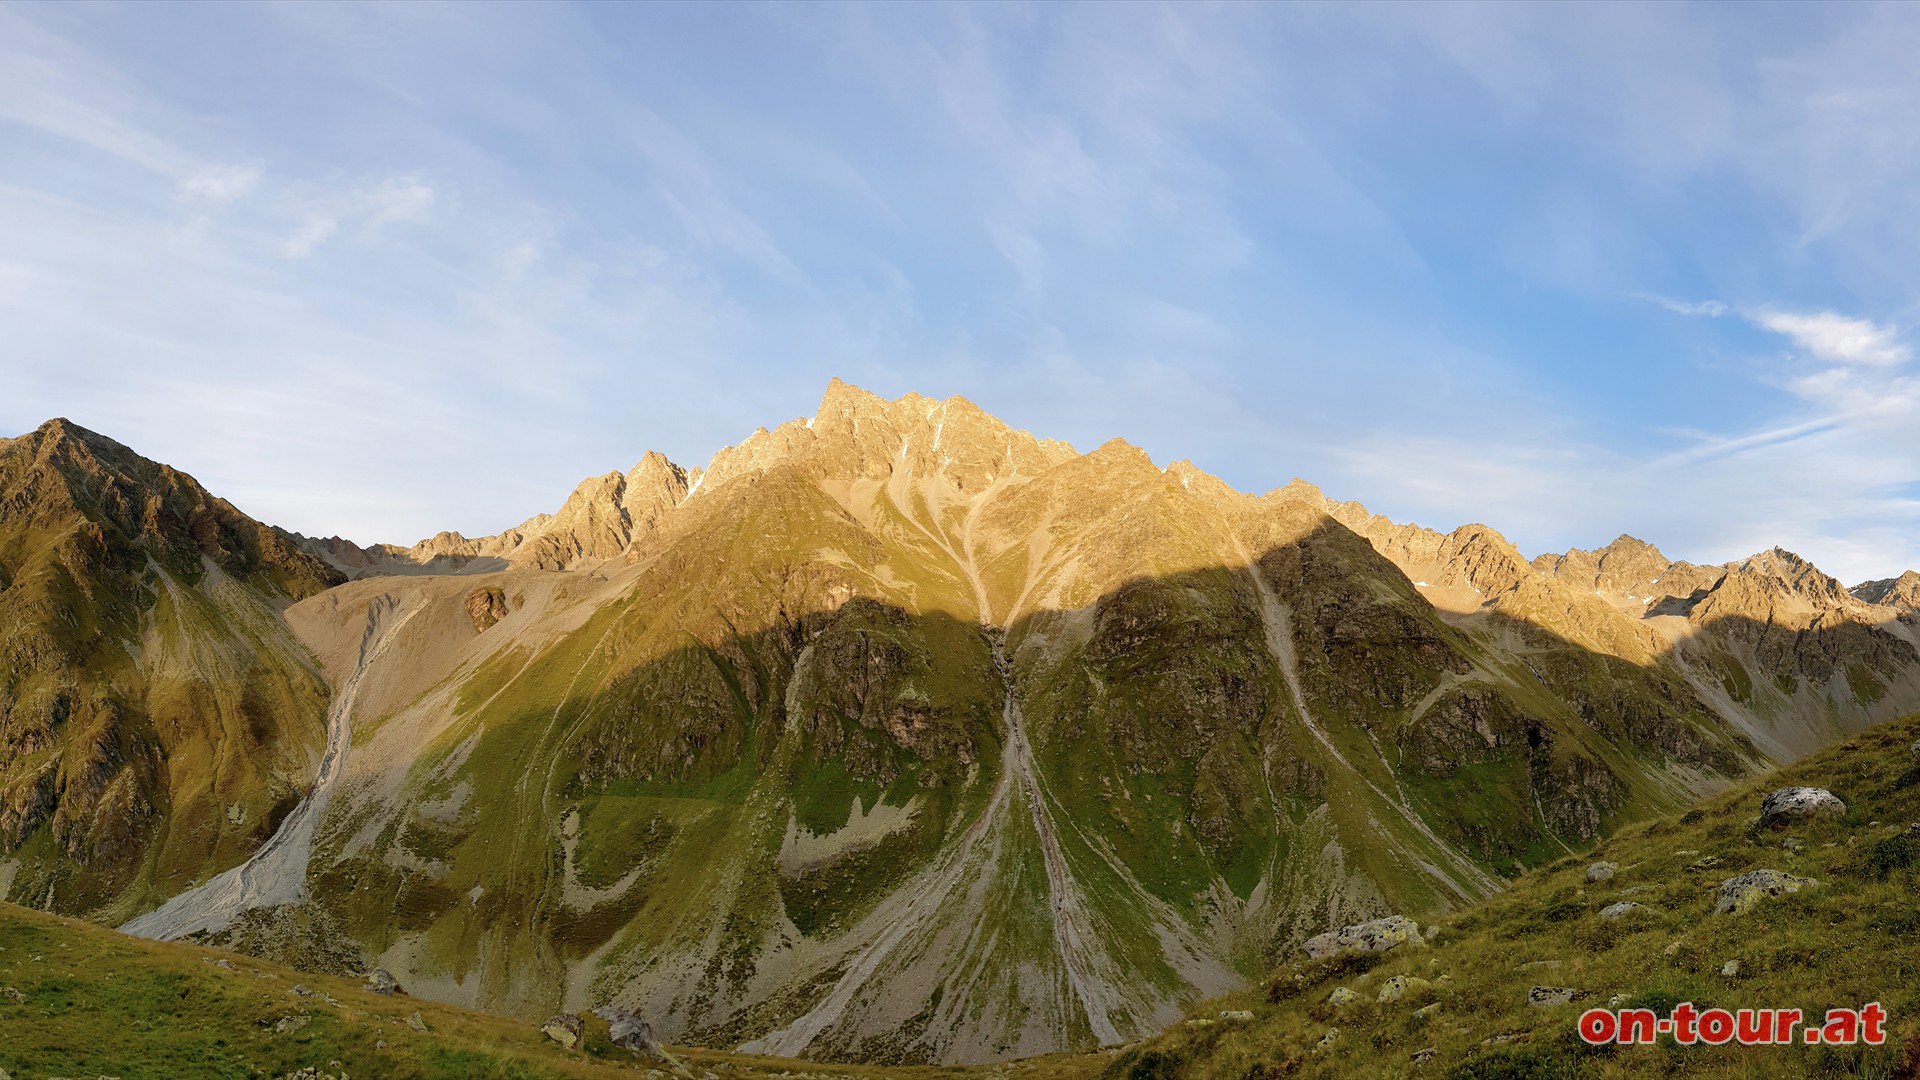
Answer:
(891, 735)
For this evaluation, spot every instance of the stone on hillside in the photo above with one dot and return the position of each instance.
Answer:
(1400, 986)
(1326, 1041)
(1799, 804)
(486, 606)
(381, 981)
(417, 1022)
(567, 1029)
(1730, 968)
(1342, 996)
(1916, 748)
(1239, 1016)
(1424, 1055)
(630, 1032)
(1425, 1011)
(1376, 936)
(291, 1023)
(1619, 910)
(1542, 996)
(1601, 871)
(1740, 893)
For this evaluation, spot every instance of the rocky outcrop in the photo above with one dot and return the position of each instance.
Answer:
(1379, 935)
(630, 1032)
(486, 606)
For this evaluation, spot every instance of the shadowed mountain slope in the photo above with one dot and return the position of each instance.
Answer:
(156, 715)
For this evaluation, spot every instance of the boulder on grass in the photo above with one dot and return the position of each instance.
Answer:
(567, 1029)
(1739, 894)
(1799, 804)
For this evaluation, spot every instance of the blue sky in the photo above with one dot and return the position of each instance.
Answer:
(1567, 270)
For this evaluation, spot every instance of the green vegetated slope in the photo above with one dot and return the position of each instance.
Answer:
(1843, 943)
(909, 737)
(156, 715)
(80, 1000)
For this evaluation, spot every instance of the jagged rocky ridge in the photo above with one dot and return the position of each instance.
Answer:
(896, 734)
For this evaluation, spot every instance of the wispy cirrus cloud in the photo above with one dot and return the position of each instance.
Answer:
(1842, 339)
(222, 183)
(1712, 309)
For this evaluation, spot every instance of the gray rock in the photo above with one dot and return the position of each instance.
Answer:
(630, 1032)
(1799, 804)
(1426, 1011)
(1916, 748)
(1326, 1041)
(1376, 936)
(417, 1022)
(1238, 1016)
(1601, 871)
(1342, 996)
(1554, 995)
(381, 981)
(1620, 910)
(291, 1023)
(1740, 893)
(1730, 968)
(1424, 1054)
(567, 1029)
(1398, 987)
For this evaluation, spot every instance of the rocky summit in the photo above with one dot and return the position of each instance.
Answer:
(891, 735)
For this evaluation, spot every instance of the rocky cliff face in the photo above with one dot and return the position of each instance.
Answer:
(155, 713)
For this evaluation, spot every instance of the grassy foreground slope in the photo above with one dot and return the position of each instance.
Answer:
(80, 1000)
(1853, 939)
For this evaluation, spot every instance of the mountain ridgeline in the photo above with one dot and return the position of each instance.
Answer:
(894, 734)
